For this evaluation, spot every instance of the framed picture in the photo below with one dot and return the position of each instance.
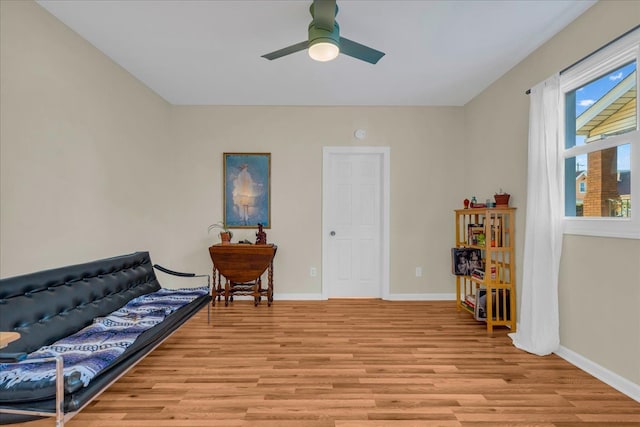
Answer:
(247, 190)
(465, 260)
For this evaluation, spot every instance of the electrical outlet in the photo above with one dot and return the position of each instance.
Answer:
(313, 272)
(418, 271)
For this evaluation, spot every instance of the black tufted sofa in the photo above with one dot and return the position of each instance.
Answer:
(49, 305)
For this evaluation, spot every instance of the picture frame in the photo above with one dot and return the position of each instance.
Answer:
(247, 190)
(465, 260)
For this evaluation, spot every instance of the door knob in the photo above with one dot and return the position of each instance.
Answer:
(333, 233)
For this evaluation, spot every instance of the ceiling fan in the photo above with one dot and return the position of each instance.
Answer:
(324, 41)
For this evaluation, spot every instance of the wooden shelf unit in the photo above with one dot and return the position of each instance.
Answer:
(497, 225)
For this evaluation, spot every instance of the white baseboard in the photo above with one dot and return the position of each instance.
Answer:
(391, 297)
(297, 297)
(421, 297)
(621, 384)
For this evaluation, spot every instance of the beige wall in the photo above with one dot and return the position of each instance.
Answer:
(80, 176)
(425, 149)
(600, 278)
(599, 297)
(94, 164)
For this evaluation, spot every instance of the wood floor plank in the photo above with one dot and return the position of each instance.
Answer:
(348, 363)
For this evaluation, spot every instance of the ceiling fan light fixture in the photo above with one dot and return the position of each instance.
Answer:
(324, 51)
(324, 42)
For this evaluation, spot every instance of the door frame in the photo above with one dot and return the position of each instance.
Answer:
(384, 153)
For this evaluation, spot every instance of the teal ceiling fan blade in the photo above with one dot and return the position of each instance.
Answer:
(360, 51)
(287, 50)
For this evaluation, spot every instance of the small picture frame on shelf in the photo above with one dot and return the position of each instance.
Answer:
(465, 260)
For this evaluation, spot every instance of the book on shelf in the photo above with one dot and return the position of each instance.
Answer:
(480, 309)
(479, 273)
(470, 300)
(475, 235)
(467, 306)
(501, 305)
(496, 232)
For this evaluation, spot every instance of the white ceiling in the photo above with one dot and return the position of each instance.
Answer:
(206, 52)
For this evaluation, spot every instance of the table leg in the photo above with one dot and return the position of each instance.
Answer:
(257, 290)
(270, 284)
(214, 289)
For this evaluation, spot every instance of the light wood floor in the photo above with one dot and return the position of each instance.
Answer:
(350, 363)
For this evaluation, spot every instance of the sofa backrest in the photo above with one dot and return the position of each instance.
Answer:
(48, 305)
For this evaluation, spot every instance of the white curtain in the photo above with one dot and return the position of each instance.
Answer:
(539, 329)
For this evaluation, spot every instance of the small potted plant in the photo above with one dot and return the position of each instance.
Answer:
(225, 233)
(502, 198)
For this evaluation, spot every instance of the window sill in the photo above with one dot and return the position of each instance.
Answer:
(620, 228)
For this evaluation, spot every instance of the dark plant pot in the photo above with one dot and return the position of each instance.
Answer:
(502, 199)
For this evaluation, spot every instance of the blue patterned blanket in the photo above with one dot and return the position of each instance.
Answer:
(92, 349)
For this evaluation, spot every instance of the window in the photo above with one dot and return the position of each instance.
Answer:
(602, 142)
(583, 187)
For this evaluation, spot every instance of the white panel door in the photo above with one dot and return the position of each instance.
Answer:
(352, 250)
